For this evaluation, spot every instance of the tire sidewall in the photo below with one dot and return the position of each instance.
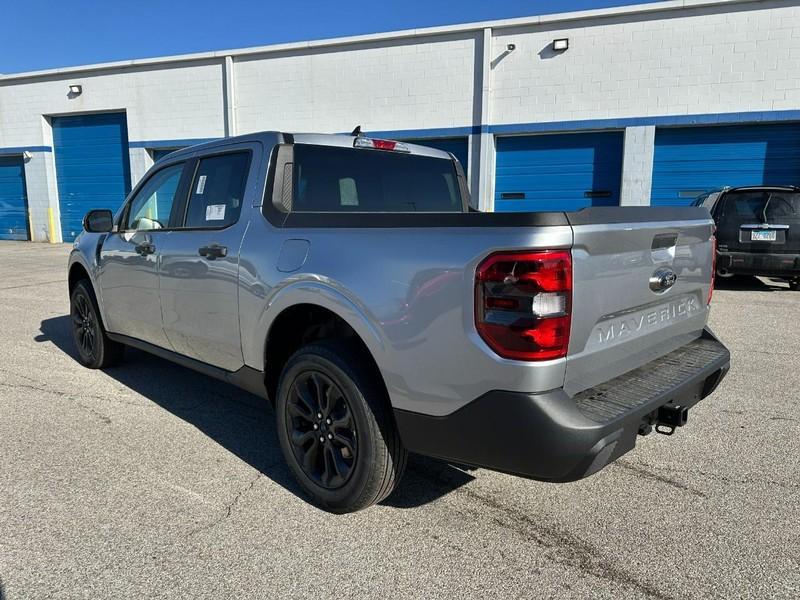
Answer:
(368, 434)
(96, 359)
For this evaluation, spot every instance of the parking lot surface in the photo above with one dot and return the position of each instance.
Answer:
(151, 481)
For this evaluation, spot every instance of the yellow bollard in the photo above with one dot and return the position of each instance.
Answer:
(52, 223)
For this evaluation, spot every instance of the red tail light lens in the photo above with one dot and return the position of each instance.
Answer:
(523, 302)
(713, 267)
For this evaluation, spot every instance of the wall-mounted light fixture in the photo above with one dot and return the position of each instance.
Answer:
(511, 47)
(75, 89)
(561, 44)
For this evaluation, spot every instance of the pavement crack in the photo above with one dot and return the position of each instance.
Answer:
(104, 418)
(646, 473)
(229, 507)
(27, 285)
(560, 546)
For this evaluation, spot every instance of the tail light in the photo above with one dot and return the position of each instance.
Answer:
(523, 303)
(713, 267)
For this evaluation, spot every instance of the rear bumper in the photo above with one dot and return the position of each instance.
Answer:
(553, 437)
(757, 263)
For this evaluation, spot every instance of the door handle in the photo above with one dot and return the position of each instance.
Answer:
(213, 251)
(145, 248)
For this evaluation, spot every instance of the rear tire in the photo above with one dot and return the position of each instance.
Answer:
(336, 429)
(95, 349)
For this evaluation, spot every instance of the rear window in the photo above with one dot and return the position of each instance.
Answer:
(761, 205)
(332, 179)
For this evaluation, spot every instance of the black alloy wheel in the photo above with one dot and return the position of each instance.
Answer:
(321, 429)
(336, 428)
(84, 326)
(95, 349)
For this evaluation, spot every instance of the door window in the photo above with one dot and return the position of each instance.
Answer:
(151, 207)
(217, 191)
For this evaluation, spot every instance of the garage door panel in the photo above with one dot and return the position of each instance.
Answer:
(13, 199)
(689, 161)
(92, 166)
(558, 172)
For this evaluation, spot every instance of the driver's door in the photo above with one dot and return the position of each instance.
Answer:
(130, 256)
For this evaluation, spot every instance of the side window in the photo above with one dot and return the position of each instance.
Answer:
(218, 191)
(151, 207)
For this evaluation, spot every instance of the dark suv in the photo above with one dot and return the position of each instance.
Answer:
(758, 231)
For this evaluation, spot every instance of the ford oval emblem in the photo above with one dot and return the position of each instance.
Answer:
(663, 279)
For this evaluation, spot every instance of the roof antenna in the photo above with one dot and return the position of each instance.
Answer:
(357, 131)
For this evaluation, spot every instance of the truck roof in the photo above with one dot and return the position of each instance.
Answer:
(320, 139)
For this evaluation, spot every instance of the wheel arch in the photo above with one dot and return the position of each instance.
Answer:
(305, 322)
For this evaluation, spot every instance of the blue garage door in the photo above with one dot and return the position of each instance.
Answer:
(92, 166)
(689, 161)
(558, 172)
(13, 200)
(457, 146)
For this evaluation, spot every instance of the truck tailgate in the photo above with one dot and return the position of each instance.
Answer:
(628, 308)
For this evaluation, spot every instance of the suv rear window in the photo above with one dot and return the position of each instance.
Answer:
(334, 179)
(761, 205)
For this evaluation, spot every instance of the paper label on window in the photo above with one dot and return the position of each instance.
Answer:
(215, 212)
(201, 185)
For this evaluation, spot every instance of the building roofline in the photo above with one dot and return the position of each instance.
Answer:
(634, 9)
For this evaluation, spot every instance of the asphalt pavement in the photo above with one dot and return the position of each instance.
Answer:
(151, 481)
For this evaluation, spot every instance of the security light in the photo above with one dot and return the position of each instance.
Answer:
(75, 89)
(511, 47)
(561, 45)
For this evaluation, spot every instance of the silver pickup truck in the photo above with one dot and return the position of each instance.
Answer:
(347, 280)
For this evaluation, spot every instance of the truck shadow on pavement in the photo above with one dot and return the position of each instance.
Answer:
(240, 422)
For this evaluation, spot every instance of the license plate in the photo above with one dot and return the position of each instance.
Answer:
(763, 236)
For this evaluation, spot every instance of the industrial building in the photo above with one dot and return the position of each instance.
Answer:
(637, 105)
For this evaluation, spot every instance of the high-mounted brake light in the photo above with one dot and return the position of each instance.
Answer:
(713, 267)
(376, 144)
(523, 302)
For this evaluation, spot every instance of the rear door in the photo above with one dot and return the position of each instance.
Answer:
(200, 260)
(760, 220)
(641, 281)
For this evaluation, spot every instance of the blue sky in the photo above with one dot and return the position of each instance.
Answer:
(39, 34)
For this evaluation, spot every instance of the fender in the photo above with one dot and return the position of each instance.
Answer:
(325, 293)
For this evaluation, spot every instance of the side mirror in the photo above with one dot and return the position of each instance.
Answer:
(100, 220)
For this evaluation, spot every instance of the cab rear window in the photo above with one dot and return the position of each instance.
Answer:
(335, 179)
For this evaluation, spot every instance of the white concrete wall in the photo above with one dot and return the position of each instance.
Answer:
(418, 83)
(183, 101)
(697, 61)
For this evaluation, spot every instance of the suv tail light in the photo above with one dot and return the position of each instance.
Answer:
(713, 266)
(523, 303)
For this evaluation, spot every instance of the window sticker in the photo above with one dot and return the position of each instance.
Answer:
(201, 185)
(215, 212)
(348, 193)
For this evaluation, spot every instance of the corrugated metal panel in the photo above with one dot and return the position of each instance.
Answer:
(92, 166)
(558, 172)
(457, 146)
(689, 161)
(13, 199)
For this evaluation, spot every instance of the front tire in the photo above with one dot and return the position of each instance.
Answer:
(336, 429)
(95, 349)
